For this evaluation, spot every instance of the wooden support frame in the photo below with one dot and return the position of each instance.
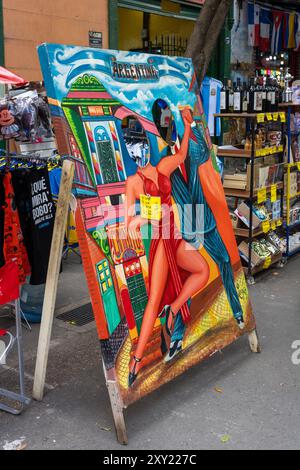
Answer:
(254, 342)
(52, 278)
(117, 407)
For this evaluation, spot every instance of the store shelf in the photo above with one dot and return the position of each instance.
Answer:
(288, 105)
(268, 117)
(294, 195)
(245, 232)
(239, 153)
(291, 226)
(262, 267)
(236, 115)
(245, 194)
(292, 165)
(293, 253)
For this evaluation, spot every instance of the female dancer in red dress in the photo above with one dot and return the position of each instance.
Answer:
(177, 271)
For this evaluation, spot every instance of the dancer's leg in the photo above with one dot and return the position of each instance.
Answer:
(189, 259)
(159, 277)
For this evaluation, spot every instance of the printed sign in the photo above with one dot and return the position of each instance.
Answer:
(95, 39)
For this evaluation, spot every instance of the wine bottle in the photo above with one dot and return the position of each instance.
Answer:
(224, 99)
(238, 97)
(230, 97)
(251, 96)
(258, 102)
(245, 103)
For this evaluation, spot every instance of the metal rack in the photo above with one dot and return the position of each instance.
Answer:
(252, 119)
(288, 226)
(13, 339)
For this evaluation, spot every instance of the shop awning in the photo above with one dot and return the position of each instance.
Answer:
(187, 10)
(9, 78)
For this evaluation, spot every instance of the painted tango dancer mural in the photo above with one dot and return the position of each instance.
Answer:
(160, 257)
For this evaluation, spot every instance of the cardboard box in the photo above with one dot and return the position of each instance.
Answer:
(244, 253)
(243, 213)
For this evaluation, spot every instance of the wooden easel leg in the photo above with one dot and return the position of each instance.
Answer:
(254, 342)
(117, 409)
(52, 279)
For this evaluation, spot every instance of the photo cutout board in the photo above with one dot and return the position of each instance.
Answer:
(159, 253)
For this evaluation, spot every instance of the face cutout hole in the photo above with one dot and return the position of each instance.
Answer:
(136, 141)
(164, 121)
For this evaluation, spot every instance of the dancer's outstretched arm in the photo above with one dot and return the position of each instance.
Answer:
(169, 164)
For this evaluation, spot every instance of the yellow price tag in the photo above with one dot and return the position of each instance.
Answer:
(267, 262)
(269, 117)
(150, 207)
(275, 116)
(298, 166)
(273, 225)
(282, 116)
(274, 192)
(279, 223)
(266, 226)
(261, 195)
(259, 152)
(260, 118)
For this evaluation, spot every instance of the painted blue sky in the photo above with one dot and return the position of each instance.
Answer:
(61, 65)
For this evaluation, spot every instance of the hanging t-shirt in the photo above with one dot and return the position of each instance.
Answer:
(42, 214)
(9, 286)
(2, 203)
(14, 247)
(211, 97)
(21, 186)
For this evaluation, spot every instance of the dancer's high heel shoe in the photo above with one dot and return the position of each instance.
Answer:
(133, 374)
(240, 322)
(165, 313)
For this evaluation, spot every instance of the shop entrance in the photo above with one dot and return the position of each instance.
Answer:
(159, 27)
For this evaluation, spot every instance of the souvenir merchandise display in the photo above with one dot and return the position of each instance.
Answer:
(25, 117)
(27, 216)
(165, 293)
(291, 204)
(253, 183)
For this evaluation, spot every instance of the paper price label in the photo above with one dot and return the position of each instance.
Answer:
(261, 195)
(269, 117)
(298, 166)
(150, 207)
(279, 223)
(267, 262)
(274, 192)
(282, 116)
(260, 118)
(275, 116)
(259, 152)
(273, 225)
(266, 226)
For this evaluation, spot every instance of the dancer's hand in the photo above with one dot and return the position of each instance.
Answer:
(187, 116)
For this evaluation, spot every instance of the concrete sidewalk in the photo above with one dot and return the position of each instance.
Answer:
(250, 401)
